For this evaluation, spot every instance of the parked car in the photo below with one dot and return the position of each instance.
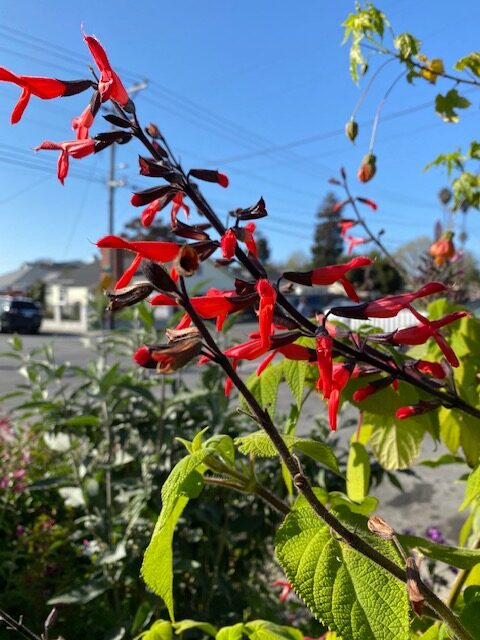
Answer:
(19, 314)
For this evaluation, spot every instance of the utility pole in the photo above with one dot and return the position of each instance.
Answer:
(112, 185)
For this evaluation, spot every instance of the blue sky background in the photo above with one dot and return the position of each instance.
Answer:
(259, 90)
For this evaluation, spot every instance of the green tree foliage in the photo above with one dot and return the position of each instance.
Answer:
(381, 276)
(328, 242)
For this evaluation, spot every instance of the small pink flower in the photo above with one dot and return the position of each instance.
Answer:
(286, 588)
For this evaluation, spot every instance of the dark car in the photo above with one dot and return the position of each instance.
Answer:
(19, 314)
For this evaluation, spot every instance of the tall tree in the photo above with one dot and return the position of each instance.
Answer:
(134, 230)
(328, 242)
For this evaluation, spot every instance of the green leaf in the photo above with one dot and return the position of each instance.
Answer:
(456, 556)
(407, 45)
(186, 625)
(447, 458)
(295, 371)
(82, 594)
(367, 506)
(470, 615)
(16, 343)
(108, 379)
(449, 429)
(160, 630)
(183, 483)
(233, 632)
(451, 161)
(265, 630)
(358, 472)
(396, 443)
(317, 451)
(472, 490)
(469, 438)
(445, 105)
(471, 62)
(224, 447)
(145, 313)
(260, 445)
(292, 419)
(198, 439)
(265, 387)
(350, 594)
(82, 421)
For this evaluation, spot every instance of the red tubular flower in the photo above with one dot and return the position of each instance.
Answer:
(390, 306)
(156, 251)
(268, 297)
(215, 304)
(330, 274)
(434, 369)
(44, 88)
(249, 239)
(210, 175)
(143, 357)
(148, 214)
(177, 204)
(370, 203)
(417, 409)
(228, 244)
(419, 334)
(346, 225)
(368, 390)
(110, 86)
(354, 242)
(245, 234)
(286, 588)
(82, 123)
(340, 377)
(74, 148)
(323, 347)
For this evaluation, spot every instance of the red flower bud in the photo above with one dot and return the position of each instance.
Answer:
(368, 168)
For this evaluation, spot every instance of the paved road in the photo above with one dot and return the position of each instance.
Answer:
(430, 500)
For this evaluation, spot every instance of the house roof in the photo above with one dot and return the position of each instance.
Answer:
(82, 275)
(75, 273)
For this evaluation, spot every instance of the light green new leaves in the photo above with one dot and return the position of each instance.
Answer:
(346, 591)
(265, 630)
(259, 444)
(183, 483)
(365, 23)
(471, 62)
(407, 45)
(254, 630)
(358, 472)
(445, 105)
(395, 443)
(472, 490)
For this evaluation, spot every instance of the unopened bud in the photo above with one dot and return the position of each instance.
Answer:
(368, 168)
(351, 130)
(128, 296)
(380, 528)
(152, 130)
(413, 586)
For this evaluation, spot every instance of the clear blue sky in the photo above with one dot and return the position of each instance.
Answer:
(229, 83)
